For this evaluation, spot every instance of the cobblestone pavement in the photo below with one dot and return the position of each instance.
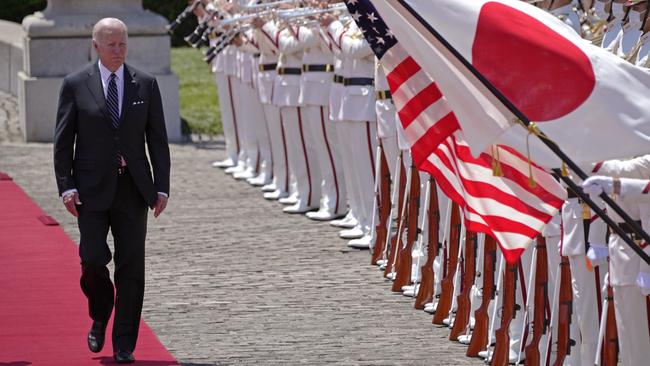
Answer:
(233, 280)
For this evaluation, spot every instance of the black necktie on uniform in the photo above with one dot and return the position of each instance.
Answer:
(113, 109)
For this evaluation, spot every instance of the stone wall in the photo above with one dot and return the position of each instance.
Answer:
(11, 55)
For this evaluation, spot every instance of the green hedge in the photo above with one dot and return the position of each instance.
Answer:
(16, 10)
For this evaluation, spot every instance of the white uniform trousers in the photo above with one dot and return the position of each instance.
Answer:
(362, 144)
(278, 142)
(631, 311)
(326, 146)
(259, 129)
(247, 139)
(303, 163)
(632, 325)
(587, 299)
(228, 119)
(345, 143)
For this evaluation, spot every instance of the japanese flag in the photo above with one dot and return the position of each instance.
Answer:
(594, 105)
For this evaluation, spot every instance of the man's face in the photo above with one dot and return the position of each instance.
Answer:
(111, 48)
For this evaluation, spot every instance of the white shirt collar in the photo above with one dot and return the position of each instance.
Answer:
(106, 73)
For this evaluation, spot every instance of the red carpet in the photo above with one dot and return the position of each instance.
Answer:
(43, 313)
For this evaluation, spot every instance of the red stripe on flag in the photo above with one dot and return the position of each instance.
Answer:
(419, 103)
(508, 172)
(401, 73)
(481, 189)
(647, 188)
(435, 135)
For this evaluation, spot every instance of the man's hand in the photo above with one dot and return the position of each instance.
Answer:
(70, 201)
(327, 19)
(258, 22)
(160, 205)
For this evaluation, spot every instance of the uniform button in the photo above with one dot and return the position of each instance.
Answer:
(116, 139)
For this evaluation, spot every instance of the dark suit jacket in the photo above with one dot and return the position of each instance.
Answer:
(86, 144)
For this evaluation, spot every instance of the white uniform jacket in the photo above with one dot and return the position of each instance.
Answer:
(286, 87)
(268, 62)
(333, 34)
(315, 84)
(358, 64)
(639, 168)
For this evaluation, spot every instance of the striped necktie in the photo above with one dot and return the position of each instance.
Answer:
(114, 111)
(112, 101)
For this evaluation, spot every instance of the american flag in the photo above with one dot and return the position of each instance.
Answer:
(512, 206)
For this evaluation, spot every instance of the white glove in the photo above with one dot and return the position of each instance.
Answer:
(643, 282)
(597, 254)
(598, 184)
(630, 188)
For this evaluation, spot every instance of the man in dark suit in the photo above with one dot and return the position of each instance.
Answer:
(106, 113)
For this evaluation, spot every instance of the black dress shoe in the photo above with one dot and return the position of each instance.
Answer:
(123, 357)
(96, 336)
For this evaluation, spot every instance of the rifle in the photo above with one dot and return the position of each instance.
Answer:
(610, 349)
(565, 311)
(464, 307)
(500, 356)
(479, 339)
(540, 323)
(382, 197)
(447, 283)
(425, 294)
(396, 240)
(404, 259)
(171, 27)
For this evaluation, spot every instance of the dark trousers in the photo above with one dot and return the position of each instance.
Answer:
(127, 220)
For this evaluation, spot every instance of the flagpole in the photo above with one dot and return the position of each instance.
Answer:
(636, 228)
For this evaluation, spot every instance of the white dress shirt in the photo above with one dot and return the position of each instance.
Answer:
(105, 75)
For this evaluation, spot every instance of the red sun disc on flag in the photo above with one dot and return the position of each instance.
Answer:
(545, 75)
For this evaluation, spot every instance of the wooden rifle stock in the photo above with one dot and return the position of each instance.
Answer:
(396, 240)
(564, 313)
(447, 283)
(500, 356)
(383, 207)
(540, 322)
(479, 339)
(610, 346)
(461, 321)
(404, 258)
(425, 294)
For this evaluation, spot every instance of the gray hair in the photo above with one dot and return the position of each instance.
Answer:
(108, 26)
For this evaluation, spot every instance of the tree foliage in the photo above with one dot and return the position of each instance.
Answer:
(16, 10)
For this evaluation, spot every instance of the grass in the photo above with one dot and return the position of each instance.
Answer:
(198, 93)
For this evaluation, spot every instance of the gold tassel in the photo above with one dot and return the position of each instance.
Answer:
(532, 129)
(496, 163)
(565, 170)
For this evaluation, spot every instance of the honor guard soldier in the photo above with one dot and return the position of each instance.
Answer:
(614, 25)
(303, 163)
(268, 62)
(628, 274)
(250, 115)
(260, 126)
(315, 84)
(334, 31)
(565, 10)
(225, 103)
(631, 32)
(358, 115)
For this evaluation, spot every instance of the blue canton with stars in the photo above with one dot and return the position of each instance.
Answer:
(375, 31)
